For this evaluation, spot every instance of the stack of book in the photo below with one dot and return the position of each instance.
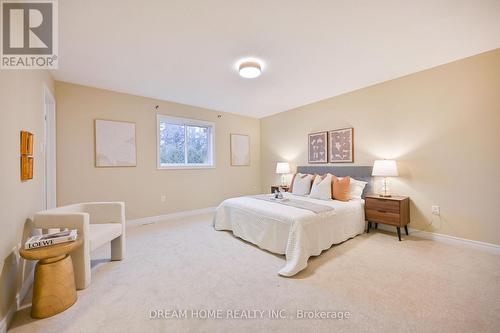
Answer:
(51, 239)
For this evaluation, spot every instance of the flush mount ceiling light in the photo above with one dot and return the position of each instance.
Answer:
(249, 68)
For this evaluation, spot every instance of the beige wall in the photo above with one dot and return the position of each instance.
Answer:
(141, 187)
(21, 108)
(442, 126)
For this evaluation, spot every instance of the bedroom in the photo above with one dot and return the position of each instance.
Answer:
(412, 88)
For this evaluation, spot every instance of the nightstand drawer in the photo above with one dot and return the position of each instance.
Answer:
(381, 205)
(382, 216)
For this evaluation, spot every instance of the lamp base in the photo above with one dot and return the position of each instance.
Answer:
(384, 191)
(283, 180)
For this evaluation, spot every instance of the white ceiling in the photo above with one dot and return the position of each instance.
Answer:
(185, 50)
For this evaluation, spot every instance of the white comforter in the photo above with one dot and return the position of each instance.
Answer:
(295, 232)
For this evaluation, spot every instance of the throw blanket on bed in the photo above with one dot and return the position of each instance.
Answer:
(311, 206)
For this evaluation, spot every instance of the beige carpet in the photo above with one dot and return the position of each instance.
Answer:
(388, 286)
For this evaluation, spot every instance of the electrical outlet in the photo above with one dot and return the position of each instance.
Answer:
(163, 198)
(435, 210)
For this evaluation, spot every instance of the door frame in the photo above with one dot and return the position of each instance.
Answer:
(49, 149)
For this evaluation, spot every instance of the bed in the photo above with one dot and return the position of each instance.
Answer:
(297, 233)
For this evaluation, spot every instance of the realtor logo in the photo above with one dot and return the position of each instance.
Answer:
(29, 34)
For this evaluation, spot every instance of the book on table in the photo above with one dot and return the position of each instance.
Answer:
(51, 239)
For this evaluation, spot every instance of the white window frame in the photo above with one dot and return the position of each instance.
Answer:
(191, 122)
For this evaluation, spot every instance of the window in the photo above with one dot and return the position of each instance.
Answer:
(185, 143)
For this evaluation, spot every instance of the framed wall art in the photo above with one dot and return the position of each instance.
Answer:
(26, 143)
(26, 152)
(318, 147)
(341, 145)
(114, 144)
(240, 150)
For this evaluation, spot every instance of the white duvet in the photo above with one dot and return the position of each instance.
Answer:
(297, 233)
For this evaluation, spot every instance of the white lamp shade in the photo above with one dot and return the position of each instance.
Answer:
(282, 167)
(385, 168)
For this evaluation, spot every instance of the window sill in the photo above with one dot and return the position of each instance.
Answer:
(185, 167)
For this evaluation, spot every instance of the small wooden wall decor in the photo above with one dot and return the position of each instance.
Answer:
(27, 160)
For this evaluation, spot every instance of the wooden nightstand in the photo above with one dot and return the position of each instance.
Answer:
(285, 188)
(393, 211)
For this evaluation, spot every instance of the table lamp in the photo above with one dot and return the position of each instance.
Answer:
(385, 168)
(282, 168)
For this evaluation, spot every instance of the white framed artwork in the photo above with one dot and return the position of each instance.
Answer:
(114, 144)
(240, 150)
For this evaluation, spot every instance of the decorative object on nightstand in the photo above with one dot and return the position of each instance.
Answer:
(393, 211)
(385, 168)
(282, 168)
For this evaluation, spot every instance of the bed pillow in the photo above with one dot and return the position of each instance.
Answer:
(340, 188)
(301, 184)
(356, 188)
(322, 187)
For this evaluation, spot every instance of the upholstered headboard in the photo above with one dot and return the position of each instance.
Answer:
(363, 173)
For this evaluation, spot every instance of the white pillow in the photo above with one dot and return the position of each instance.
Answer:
(356, 188)
(322, 187)
(301, 184)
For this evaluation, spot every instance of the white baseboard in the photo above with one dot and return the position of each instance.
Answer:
(171, 216)
(483, 246)
(5, 322)
(28, 282)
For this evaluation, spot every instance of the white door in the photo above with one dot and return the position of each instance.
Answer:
(50, 149)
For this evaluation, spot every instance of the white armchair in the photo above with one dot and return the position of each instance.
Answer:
(97, 223)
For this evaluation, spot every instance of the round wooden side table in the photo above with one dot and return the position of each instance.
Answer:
(54, 286)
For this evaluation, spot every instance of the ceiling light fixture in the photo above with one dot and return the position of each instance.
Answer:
(249, 68)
